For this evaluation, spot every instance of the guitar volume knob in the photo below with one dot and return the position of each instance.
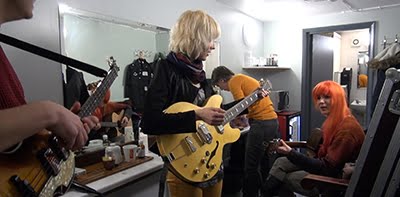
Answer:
(203, 160)
(213, 166)
(206, 175)
(196, 170)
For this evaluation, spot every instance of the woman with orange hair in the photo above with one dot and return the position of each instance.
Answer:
(342, 137)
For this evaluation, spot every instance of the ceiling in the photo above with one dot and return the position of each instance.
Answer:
(268, 10)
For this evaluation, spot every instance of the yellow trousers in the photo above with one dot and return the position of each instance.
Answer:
(179, 188)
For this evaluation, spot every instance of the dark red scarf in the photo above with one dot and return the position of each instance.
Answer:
(192, 69)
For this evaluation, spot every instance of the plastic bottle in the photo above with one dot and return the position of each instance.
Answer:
(106, 142)
(141, 152)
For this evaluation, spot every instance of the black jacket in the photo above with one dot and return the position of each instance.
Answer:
(75, 88)
(137, 80)
(170, 86)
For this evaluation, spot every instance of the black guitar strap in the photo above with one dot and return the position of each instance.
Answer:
(52, 56)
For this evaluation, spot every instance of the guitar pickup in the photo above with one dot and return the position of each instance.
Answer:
(49, 161)
(190, 144)
(204, 134)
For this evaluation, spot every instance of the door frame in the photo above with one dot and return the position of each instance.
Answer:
(307, 69)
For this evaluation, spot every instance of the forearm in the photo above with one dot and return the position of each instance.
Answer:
(313, 165)
(19, 123)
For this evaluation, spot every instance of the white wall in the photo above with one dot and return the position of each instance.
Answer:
(285, 39)
(43, 30)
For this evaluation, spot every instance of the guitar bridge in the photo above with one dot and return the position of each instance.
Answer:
(204, 134)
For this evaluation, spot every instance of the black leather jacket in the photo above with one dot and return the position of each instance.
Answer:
(170, 86)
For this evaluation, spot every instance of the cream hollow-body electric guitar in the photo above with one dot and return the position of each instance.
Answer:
(197, 157)
(41, 167)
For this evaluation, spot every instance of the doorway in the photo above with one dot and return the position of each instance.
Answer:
(320, 63)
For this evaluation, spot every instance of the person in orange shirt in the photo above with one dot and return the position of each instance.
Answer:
(105, 110)
(263, 126)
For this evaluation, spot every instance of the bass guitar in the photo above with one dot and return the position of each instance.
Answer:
(197, 157)
(41, 167)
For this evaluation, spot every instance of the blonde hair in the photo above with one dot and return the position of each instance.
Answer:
(193, 33)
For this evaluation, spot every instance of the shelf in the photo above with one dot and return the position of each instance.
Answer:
(265, 68)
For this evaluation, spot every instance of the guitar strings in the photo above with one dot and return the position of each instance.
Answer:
(35, 175)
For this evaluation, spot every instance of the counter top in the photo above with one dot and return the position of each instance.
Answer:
(121, 178)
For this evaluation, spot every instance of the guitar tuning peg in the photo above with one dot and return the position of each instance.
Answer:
(262, 81)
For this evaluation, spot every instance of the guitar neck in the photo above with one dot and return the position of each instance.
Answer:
(94, 100)
(240, 107)
(109, 124)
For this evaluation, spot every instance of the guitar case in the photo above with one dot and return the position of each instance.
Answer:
(376, 144)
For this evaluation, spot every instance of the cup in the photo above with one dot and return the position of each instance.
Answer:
(115, 153)
(129, 152)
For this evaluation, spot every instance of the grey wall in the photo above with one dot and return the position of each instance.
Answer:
(42, 79)
(285, 38)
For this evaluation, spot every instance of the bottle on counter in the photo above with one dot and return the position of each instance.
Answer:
(106, 141)
(142, 149)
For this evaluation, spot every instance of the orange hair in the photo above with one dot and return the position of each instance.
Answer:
(338, 109)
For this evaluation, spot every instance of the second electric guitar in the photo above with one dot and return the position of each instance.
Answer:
(196, 157)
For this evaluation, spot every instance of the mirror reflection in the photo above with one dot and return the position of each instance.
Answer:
(362, 72)
(92, 38)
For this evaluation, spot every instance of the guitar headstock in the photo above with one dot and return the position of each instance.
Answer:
(265, 85)
(112, 63)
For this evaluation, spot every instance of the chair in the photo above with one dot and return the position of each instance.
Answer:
(327, 185)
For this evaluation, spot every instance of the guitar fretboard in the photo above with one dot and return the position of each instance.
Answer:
(240, 107)
(245, 103)
(93, 101)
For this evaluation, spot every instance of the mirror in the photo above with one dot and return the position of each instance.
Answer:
(92, 38)
(362, 71)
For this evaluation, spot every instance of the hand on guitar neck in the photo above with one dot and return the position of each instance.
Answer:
(211, 115)
(279, 146)
(284, 147)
